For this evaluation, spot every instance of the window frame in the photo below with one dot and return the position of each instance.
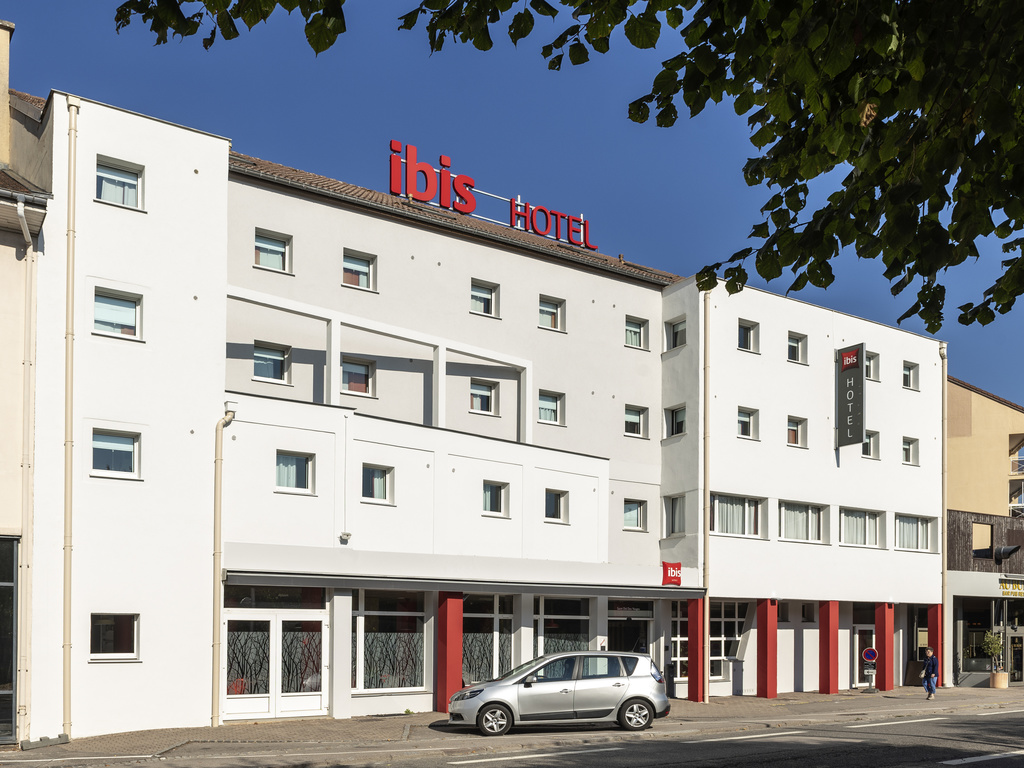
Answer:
(641, 515)
(135, 473)
(812, 509)
(502, 497)
(872, 366)
(641, 421)
(561, 500)
(871, 440)
(796, 432)
(371, 376)
(911, 376)
(416, 618)
(752, 509)
(879, 522)
(558, 316)
(672, 423)
(302, 490)
(492, 395)
(673, 332)
(369, 259)
(388, 499)
(674, 515)
(559, 401)
(286, 362)
(911, 452)
(285, 243)
(641, 327)
(109, 293)
(114, 656)
(492, 290)
(800, 346)
(753, 342)
(924, 530)
(115, 166)
(751, 421)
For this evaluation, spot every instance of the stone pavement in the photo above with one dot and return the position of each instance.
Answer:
(429, 730)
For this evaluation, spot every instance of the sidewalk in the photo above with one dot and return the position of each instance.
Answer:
(429, 730)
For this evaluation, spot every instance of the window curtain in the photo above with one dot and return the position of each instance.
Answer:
(548, 409)
(480, 300)
(117, 186)
(291, 471)
(860, 528)
(730, 512)
(270, 253)
(910, 532)
(374, 483)
(802, 522)
(633, 335)
(492, 498)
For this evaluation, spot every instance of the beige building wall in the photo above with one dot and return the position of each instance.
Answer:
(984, 432)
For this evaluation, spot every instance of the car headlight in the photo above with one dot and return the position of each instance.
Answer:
(467, 694)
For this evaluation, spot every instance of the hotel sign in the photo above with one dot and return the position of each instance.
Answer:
(850, 396)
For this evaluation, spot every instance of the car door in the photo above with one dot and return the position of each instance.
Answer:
(600, 687)
(551, 696)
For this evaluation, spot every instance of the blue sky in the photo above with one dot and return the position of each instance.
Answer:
(669, 198)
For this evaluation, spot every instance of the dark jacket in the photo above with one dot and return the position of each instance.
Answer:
(931, 666)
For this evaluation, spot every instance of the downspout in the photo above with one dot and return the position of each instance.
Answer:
(218, 601)
(947, 608)
(74, 105)
(24, 689)
(706, 651)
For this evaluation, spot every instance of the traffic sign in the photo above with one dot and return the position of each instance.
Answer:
(870, 654)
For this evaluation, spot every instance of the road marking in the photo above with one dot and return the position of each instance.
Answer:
(982, 758)
(539, 754)
(1001, 712)
(80, 758)
(896, 722)
(752, 736)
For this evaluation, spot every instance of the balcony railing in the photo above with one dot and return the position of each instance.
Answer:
(1016, 465)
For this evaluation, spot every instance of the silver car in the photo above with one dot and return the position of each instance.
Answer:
(571, 687)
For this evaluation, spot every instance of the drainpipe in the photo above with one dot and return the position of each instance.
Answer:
(218, 601)
(27, 476)
(947, 604)
(706, 653)
(74, 105)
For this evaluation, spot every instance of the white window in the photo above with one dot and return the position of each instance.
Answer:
(378, 483)
(483, 299)
(910, 372)
(675, 515)
(270, 362)
(636, 332)
(549, 408)
(118, 185)
(358, 270)
(746, 423)
(676, 333)
(486, 637)
(357, 376)
(869, 449)
(796, 351)
(388, 640)
(859, 527)
(796, 432)
(910, 451)
(735, 515)
(725, 630)
(912, 532)
(801, 522)
(483, 397)
(636, 421)
(271, 253)
(495, 501)
(117, 314)
(556, 505)
(552, 313)
(676, 421)
(114, 636)
(634, 515)
(747, 336)
(872, 366)
(115, 454)
(294, 471)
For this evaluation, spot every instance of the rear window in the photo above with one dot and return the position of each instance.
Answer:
(629, 662)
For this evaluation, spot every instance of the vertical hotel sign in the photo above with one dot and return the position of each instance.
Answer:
(850, 396)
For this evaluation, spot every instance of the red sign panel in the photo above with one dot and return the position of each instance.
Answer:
(671, 573)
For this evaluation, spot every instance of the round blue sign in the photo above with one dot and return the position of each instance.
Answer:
(870, 654)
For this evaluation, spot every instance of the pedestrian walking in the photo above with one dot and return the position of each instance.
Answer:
(930, 674)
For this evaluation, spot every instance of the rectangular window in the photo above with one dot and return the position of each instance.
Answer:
(271, 253)
(746, 423)
(735, 515)
(357, 376)
(797, 348)
(725, 630)
(116, 453)
(270, 362)
(910, 451)
(869, 449)
(807, 613)
(495, 495)
(358, 271)
(747, 334)
(388, 640)
(636, 421)
(634, 515)
(871, 366)
(676, 334)
(377, 483)
(483, 299)
(117, 185)
(549, 407)
(910, 371)
(486, 637)
(483, 397)
(556, 505)
(552, 313)
(636, 332)
(912, 532)
(796, 432)
(675, 515)
(801, 522)
(981, 541)
(294, 471)
(677, 421)
(857, 527)
(116, 314)
(114, 636)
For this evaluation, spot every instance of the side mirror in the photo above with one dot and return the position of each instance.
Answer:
(529, 680)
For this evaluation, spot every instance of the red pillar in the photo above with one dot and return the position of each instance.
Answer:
(935, 635)
(449, 648)
(884, 634)
(767, 648)
(696, 652)
(828, 646)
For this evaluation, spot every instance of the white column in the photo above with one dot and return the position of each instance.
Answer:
(522, 628)
(599, 623)
(340, 659)
(440, 393)
(332, 368)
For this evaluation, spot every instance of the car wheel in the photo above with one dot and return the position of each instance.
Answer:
(635, 715)
(494, 720)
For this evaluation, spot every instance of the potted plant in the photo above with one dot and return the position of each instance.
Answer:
(992, 646)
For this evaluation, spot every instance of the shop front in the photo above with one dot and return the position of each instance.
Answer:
(1000, 612)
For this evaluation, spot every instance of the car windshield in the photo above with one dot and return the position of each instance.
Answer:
(521, 668)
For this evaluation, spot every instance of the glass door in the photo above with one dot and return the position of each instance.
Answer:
(1015, 662)
(864, 637)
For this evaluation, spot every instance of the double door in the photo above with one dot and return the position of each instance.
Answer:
(274, 664)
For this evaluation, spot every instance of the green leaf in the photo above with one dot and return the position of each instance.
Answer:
(321, 33)
(578, 54)
(482, 39)
(639, 111)
(521, 26)
(643, 30)
(705, 59)
(674, 17)
(916, 68)
(544, 8)
(600, 44)
(817, 37)
(555, 63)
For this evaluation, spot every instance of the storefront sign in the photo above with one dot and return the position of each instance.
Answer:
(1011, 587)
(455, 192)
(671, 573)
(850, 396)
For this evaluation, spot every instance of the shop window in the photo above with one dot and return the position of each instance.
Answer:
(561, 624)
(486, 637)
(114, 636)
(680, 640)
(117, 314)
(388, 641)
(726, 629)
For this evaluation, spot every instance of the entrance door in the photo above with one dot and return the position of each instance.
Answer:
(864, 637)
(1016, 660)
(628, 635)
(274, 664)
